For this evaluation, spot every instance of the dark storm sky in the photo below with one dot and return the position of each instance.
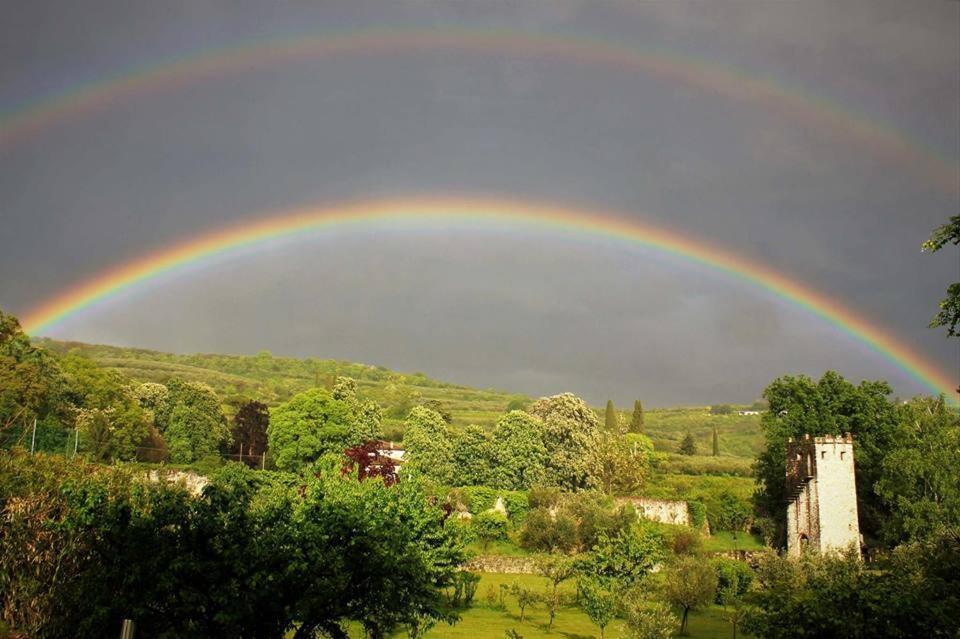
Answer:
(536, 313)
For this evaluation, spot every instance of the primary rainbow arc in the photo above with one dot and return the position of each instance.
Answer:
(499, 213)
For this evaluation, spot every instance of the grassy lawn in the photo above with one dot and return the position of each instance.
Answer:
(724, 540)
(483, 621)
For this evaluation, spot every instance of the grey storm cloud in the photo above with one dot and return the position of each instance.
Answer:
(532, 312)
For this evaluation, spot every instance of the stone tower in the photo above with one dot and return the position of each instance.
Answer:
(821, 495)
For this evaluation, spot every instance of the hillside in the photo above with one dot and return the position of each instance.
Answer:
(272, 380)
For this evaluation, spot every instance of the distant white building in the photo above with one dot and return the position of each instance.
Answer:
(748, 412)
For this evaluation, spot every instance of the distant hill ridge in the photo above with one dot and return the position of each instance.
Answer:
(274, 379)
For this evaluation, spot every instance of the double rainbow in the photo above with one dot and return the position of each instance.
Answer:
(500, 214)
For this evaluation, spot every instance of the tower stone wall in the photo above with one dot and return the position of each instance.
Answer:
(821, 493)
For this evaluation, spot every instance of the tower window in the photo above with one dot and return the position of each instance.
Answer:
(842, 454)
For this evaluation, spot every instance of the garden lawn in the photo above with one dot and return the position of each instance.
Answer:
(483, 621)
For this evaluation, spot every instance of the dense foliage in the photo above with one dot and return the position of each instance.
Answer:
(254, 555)
(913, 592)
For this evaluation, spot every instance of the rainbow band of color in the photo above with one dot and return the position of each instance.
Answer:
(436, 212)
(829, 117)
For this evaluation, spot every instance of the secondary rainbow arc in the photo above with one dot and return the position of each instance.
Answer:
(728, 81)
(500, 213)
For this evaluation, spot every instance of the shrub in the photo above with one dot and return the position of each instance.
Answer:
(698, 513)
(517, 504)
(733, 580)
(543, 497)
(686, 542)
(543, 533)
(479, 498)
(489, 526)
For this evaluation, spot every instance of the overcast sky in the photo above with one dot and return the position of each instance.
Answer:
(540, 312)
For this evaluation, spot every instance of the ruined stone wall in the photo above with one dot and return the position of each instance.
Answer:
(664, 511)
(502, 565)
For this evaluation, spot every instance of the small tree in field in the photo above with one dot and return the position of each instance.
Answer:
(525, 598)
(716, 442)
(599, 603)
(690, 584)
(688, 446)
(648, 621)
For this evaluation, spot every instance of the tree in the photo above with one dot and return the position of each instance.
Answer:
(367, 461)
(525, 598)
(429, 450)
(688, 446)
(949, 314)
(489, 526)
(543, 532)
(648, 621)
(733, 579)
(637, 421)
(311, 424)
(918, 478)
(829, 406)
(108, 413)
(626, 557)
(618, 465)
(598, 602)
(716, 443)
(250, 426)
(571, 431)
(611, 419)
(472, 456)
(399, 398)
(519, 453)
(732, 514)
(556, 569)
(367, 414)
(31, 383)
(191, 435)
(690, 584)
(437, 406)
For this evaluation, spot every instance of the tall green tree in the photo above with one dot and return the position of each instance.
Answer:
(519, 454)
(716, 442)
(690, 584)
(311, 424)
(108, 414)
(611, 421)
(637, 420)
(250, 428)
(428, 445)
(949, 314)
(571, 432)
(918, 479)
(828, 406)
(31, 383)
(688, 446)
(620, 466)
(599, 602)
(473, 456)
